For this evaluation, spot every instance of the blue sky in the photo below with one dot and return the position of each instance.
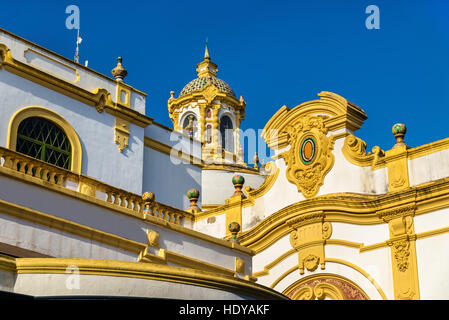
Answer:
(273, 53)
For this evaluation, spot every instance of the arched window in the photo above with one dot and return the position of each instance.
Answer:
(42, 139)
(227, 134)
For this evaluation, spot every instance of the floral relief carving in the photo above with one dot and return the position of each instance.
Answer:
(401, 252)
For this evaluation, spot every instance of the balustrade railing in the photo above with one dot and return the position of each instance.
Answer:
(31, 167)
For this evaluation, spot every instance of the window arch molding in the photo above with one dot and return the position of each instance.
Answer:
(34, 111)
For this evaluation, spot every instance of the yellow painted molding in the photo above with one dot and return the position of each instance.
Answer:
(432, 233)
(253, 194)
(147, 271)
(165, 256)
(272, 264)
(354, 150)
(403, 252)
(338, 261)
(349, 208)
(121, 133)
(7, 263)
(361, 271)
(209, 206)
(427, 149)
(231, 167)
(36, 111)
(397, 168)
(308, 235)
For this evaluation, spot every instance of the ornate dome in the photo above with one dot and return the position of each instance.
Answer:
(199, 83)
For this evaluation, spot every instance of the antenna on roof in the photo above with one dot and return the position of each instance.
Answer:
(78, 42)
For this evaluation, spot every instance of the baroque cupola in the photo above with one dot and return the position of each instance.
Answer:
(207, 109)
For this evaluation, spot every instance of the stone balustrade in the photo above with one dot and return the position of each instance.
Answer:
(53, 175)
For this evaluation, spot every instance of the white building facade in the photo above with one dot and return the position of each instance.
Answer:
(91, 185)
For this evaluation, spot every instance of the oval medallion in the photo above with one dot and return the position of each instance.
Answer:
(308, 150)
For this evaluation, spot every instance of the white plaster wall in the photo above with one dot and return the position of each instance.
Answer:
(170, 178)
(55, 243)
(433, 265)
(7, 280)
(432, 255)
(214, 226)
(366, 234)
(100, 218)
(217, 184)
(102, 159)
(344, 177)
(175, 140)
(376, 263)
(431, 221)
(430, 167)
(99, 285)
(261, 259)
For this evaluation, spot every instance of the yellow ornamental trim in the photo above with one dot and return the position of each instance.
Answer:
(309, 158)
(338, 113)
(354, 150)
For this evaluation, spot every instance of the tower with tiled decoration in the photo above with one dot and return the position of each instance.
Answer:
(208, 110)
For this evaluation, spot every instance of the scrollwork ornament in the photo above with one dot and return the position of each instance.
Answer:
(309, 158)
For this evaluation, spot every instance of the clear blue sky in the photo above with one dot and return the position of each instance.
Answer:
(274, 53)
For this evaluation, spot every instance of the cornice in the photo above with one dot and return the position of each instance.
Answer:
(349, 208)
(69, 61)
(98, 97)
(147, 271)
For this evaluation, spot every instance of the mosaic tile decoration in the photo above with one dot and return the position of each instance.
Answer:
(199, 83)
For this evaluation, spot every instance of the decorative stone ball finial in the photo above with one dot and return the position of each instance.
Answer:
(238, 182)
(234, 228)
(119, 72)
(193, 195)
(399, 131)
